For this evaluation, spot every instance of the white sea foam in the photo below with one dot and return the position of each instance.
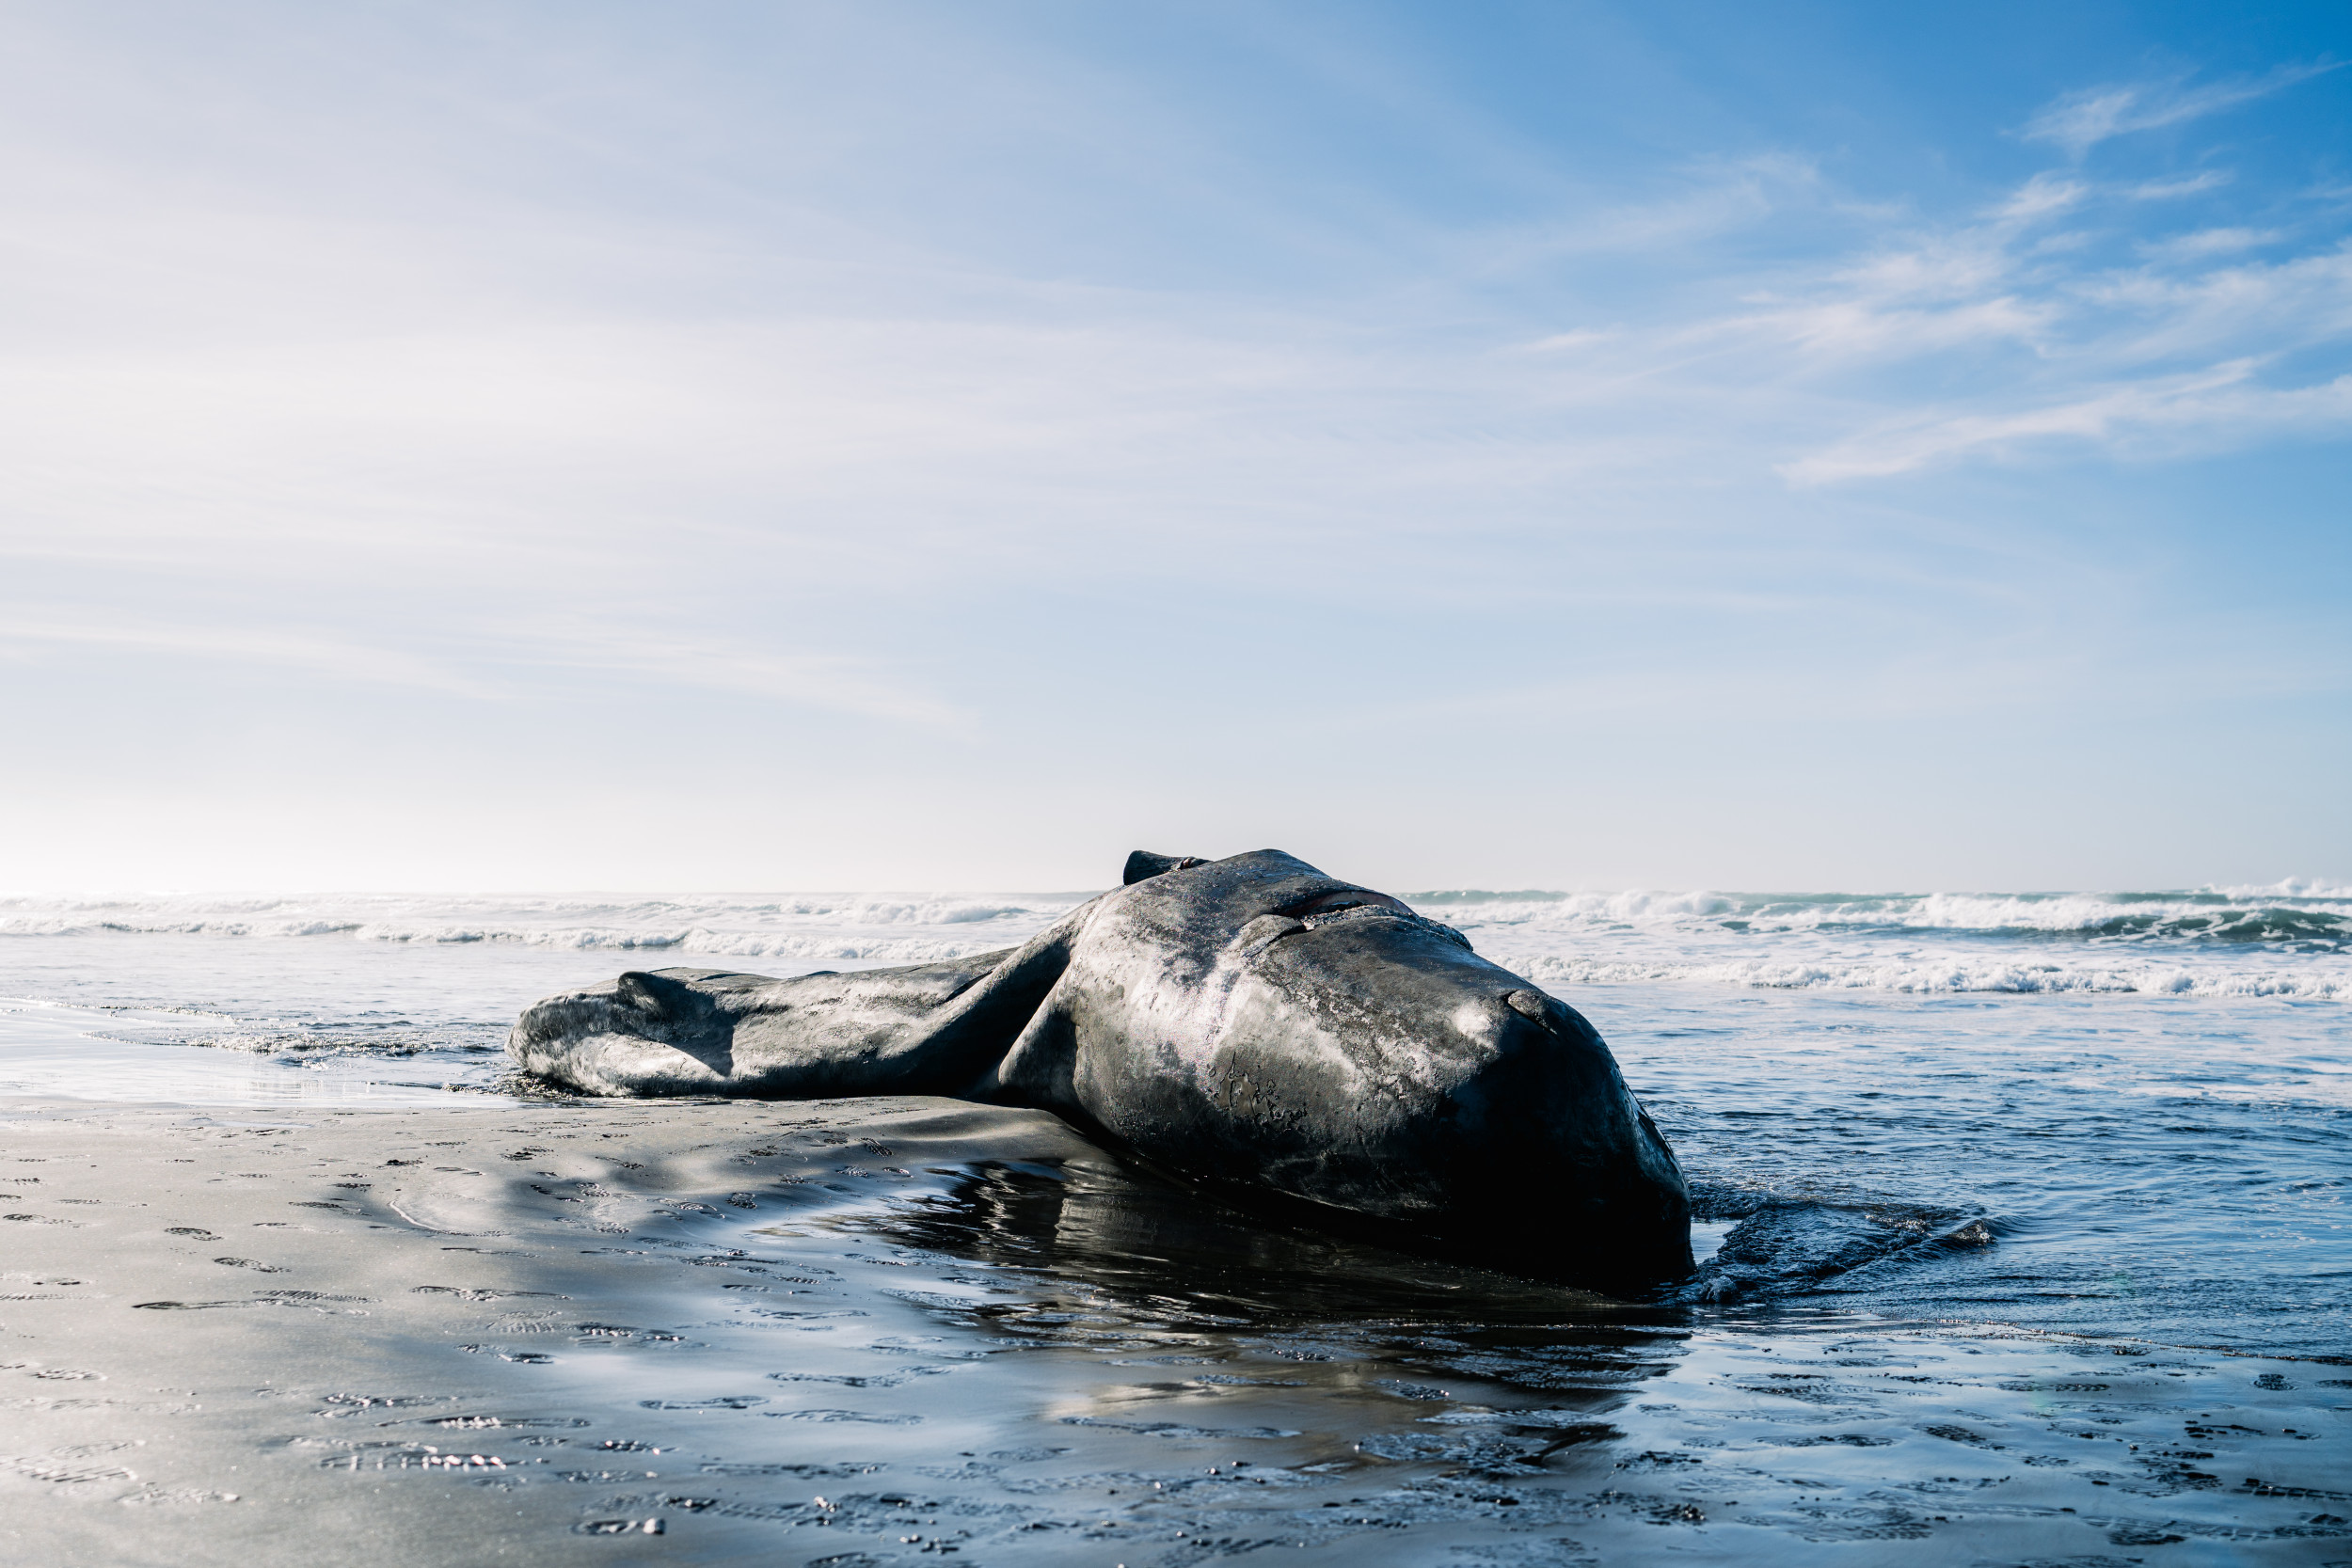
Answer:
(799, 930)
(2291, 939)
(2290, 887)
(2156, 980)
(2206, 913)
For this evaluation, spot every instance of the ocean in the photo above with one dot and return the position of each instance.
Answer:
(2032, 1127)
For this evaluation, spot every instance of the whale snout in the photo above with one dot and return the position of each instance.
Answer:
(1476, 1110)
(1552, 1163)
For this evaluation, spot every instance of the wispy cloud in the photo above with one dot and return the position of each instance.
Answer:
(2040, 196)
(31, 627)
(2172, 190)
(2179, 332)
(2196, 410)
(1847, 329)
(2079, 122)
(2210, 242)
(843, 683)
(1713, 199)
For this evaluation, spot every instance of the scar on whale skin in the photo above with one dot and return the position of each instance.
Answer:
(1249, 1024)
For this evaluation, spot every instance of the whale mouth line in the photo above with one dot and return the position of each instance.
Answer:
(1333, 901)
(1387, 910)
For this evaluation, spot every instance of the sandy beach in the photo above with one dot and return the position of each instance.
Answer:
(857, 1333)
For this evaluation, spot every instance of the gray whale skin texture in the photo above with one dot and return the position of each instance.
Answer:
(1248, 1024)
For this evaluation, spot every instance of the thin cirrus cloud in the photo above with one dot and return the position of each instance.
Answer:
(34, 630)
(2211, 242)
(2080, 120)
(2181, 333)
(2188, 412)
(1715, 199)
(2169, 190)
(2076, 323)
(841, 683)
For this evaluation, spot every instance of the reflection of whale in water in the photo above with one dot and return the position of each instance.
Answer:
(1084, 1254)
(1158, 1252)
(1248, 1023)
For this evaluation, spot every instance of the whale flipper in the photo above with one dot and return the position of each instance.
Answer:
(932, 1028)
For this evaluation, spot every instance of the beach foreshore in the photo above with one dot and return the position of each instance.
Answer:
(879, 1331)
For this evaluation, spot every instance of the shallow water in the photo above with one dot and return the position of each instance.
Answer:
(1937, 1195)
(846, 1335)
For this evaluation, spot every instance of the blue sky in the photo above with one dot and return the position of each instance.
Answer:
(737, 446)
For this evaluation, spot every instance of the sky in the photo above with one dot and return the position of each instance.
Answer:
(741, 446)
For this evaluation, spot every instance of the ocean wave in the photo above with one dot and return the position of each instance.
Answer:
(2268, 916)
(862, 926)
(807, 947)
(2288, 940)
(1949, 976)
(2284, 913)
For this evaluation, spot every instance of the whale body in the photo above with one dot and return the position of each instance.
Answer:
(1248, 1024)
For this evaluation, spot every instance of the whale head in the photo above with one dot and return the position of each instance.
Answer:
(1252, 1022)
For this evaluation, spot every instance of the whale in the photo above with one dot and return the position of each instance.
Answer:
(1276, 1038)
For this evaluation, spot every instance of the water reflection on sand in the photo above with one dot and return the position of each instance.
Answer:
(861, 1332)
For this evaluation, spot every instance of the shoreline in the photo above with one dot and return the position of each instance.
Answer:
(874, 1330)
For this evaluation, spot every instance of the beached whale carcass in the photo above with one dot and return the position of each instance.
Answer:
(1248, 1023)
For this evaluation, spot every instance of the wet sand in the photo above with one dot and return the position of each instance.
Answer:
(882, 1331)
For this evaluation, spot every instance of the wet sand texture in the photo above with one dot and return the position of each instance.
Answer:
(892, 1331)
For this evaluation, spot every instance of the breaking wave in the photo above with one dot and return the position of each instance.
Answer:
(857, 927)
(2289, 913)
(2290, 940)
(2333, 985)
